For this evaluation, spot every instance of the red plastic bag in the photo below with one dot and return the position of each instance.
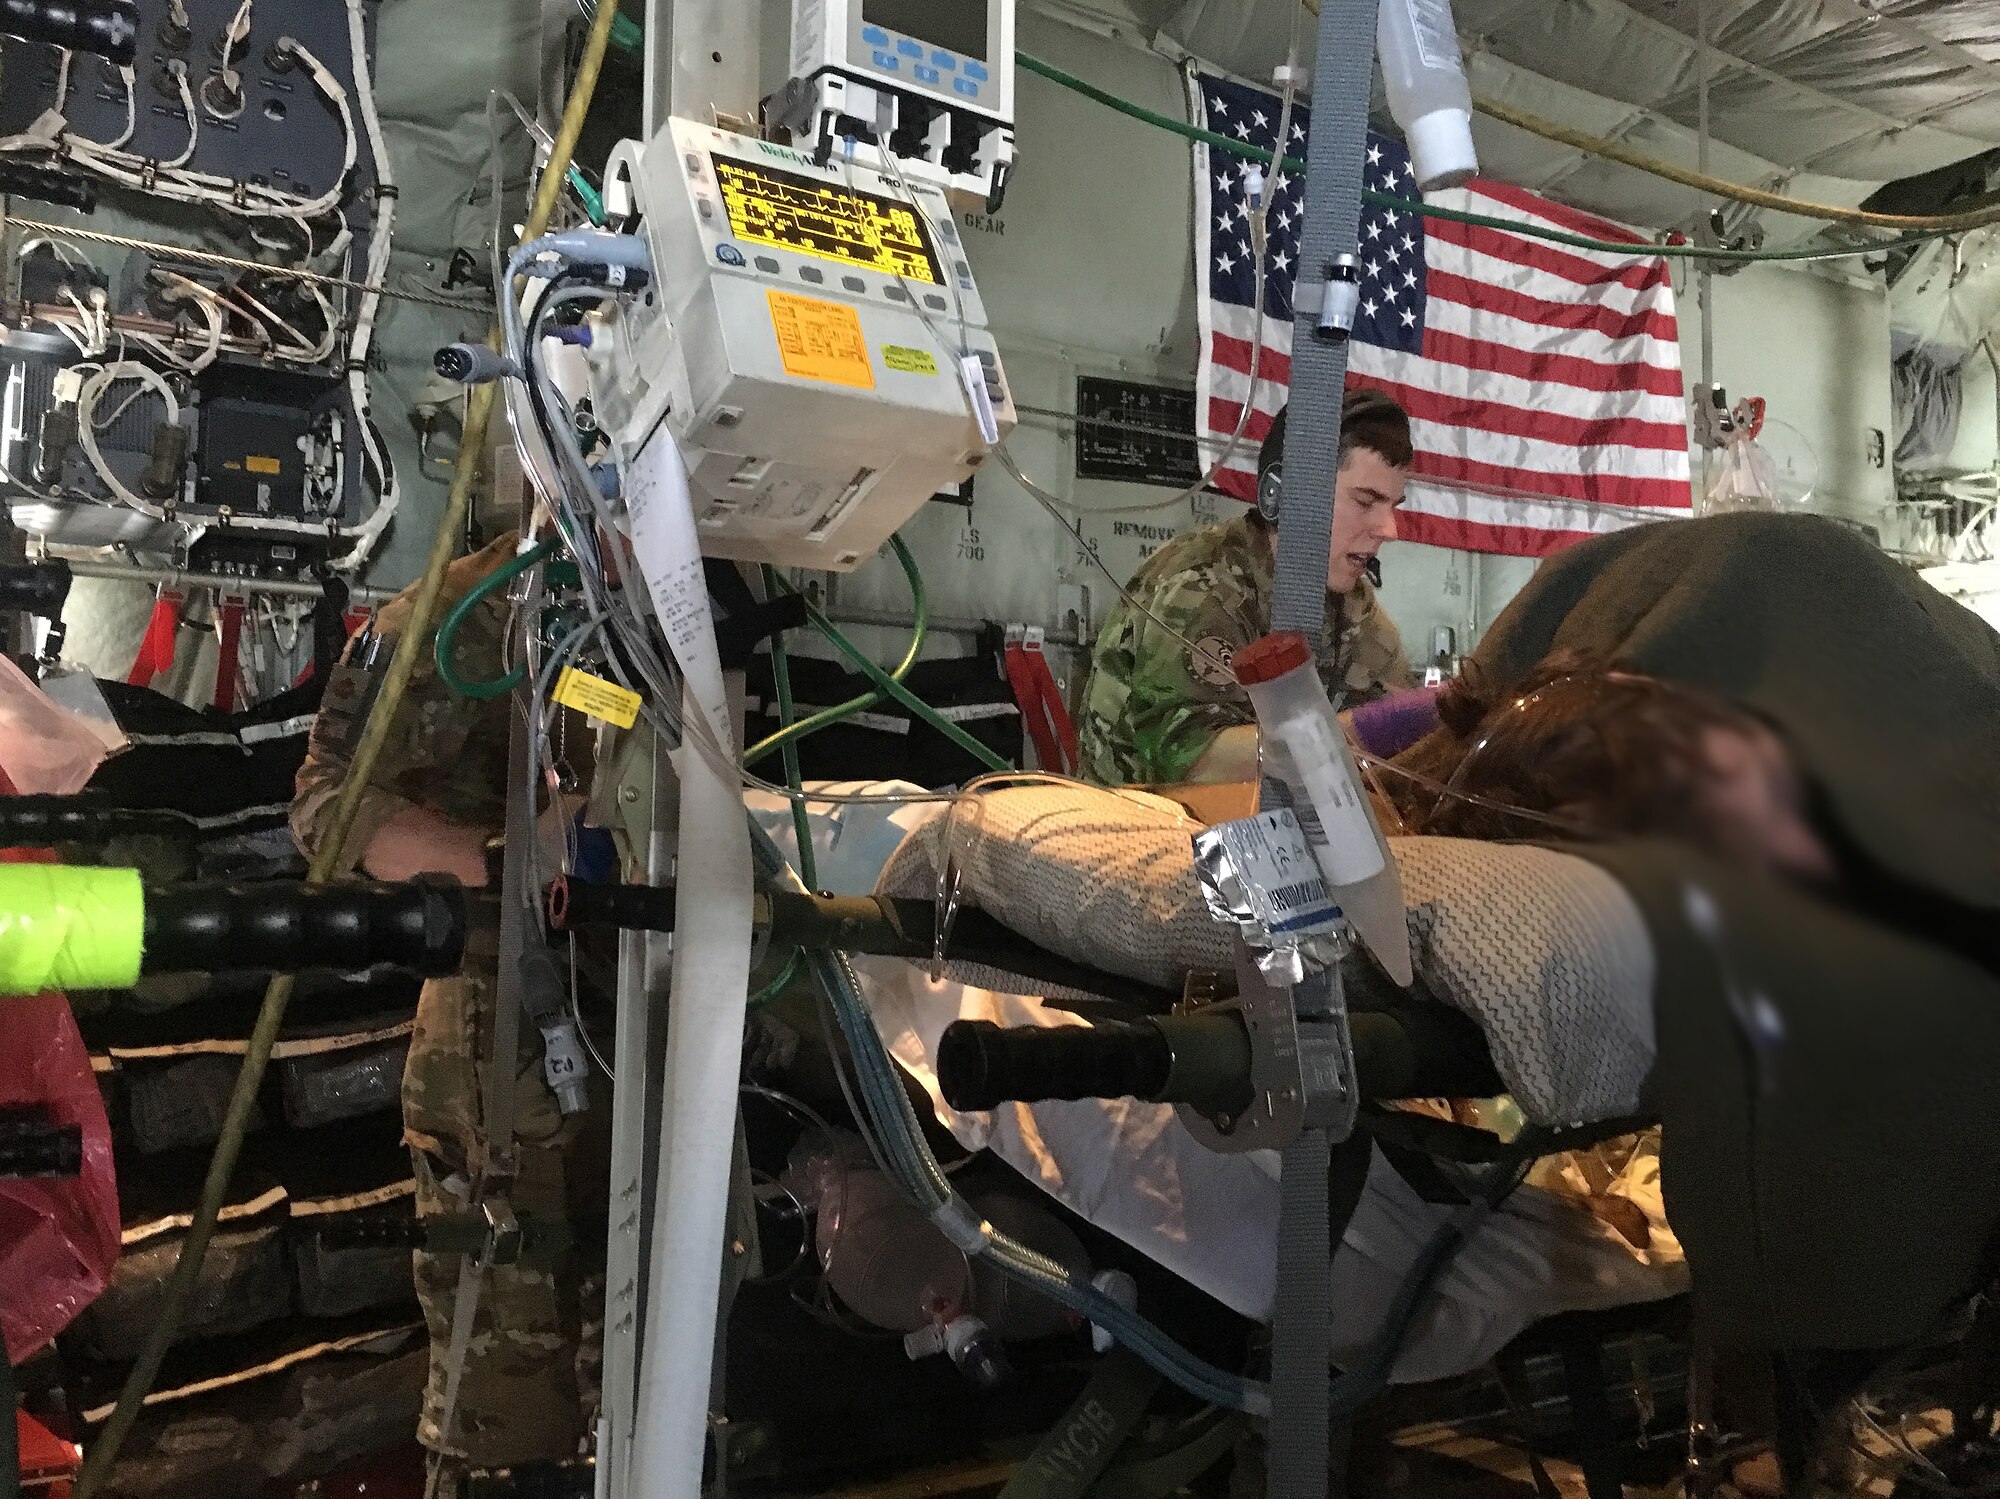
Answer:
(59, 1237)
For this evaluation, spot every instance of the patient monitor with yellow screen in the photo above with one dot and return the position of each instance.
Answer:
(814, 339)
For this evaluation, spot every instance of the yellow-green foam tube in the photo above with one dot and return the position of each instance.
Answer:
(63, 927)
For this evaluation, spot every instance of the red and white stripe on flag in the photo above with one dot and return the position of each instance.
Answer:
(1543, 382)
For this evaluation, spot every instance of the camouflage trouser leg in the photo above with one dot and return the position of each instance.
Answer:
(528, 1388)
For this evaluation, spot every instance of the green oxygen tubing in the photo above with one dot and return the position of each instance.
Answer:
(789, 733)
(447, 635)
(781, 677)
(888, 684)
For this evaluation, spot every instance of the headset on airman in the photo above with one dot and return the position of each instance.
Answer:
(1360, 410)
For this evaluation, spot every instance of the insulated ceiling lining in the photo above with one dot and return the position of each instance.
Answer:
(1825, 99)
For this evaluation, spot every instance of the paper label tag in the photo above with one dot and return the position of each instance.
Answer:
(1344, 835)
(562, 1055)
(1437, 37)
(1280, 878)
(669, 554)
(821, 340)
(596, 698)
(908, 361)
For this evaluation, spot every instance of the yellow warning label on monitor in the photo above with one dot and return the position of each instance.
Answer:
(258, 465)
(596, 698)
(821, 340)
(908, 361)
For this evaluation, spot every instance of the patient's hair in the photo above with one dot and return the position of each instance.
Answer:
(1598, 750)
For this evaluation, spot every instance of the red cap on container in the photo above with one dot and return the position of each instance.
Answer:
(1270, 658)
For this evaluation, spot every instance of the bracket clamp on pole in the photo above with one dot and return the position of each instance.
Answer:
(1332, 301)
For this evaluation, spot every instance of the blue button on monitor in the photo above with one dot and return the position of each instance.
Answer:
(966, 87)
(874, 36)
(976, 70)
(945, 60)
(887, 61)
(909, 48)
(924, 74)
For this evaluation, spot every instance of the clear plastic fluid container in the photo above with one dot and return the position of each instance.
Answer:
(1303, 746)
(1423, 73)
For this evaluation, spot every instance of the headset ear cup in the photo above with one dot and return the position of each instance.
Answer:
(1270, 488)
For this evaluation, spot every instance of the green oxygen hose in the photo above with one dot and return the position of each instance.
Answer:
(826, 717)
(1376, 199)
(781, 677)
(447, 635)
(887, 684)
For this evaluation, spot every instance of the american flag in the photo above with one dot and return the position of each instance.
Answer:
(1543, 382)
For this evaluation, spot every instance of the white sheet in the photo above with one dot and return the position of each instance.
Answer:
(1131, 1169)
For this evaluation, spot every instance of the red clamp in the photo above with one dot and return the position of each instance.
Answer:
(1043, 710)
(156, 647)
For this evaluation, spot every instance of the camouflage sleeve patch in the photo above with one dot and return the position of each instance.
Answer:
(1165, 688)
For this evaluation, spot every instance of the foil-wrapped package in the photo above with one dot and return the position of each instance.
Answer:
(1258, 874)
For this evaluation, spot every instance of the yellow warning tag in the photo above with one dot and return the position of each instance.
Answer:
(596, 698)
(258, 465)
(908, 361)
(821, 340)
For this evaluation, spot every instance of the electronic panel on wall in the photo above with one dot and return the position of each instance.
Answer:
(159, 400)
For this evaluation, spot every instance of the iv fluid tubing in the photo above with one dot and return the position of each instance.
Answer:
(910, 1161)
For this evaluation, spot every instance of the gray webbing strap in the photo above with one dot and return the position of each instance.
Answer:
(1302, 1328)
(509, 987)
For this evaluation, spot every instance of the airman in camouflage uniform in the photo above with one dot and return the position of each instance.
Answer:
(1161, 689)
(529, 1385)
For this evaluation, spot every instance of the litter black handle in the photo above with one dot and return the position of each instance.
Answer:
(288, 927)
(39, 821)
(982, 1065)
(108, 28)
(1412, 1049)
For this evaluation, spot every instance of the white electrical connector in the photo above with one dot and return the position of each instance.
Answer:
(1118, 1286)
(972, 375)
